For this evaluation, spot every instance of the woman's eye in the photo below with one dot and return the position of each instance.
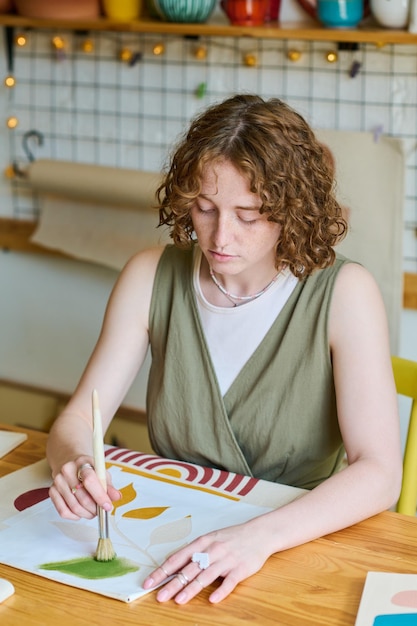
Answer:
(248, 220)
(204, 208)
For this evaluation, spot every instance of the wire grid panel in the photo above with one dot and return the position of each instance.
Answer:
(126, 101)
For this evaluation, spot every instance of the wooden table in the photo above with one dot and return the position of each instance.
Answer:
(318, 584)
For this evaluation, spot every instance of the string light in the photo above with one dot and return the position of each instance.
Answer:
(59, 46)
(21, 40)
(9, 172)
(158, 49)
(9, 81)
(250, 59)
(58, 43)
(125, 55)
(12, 122)
(294, 55)
(87, 46)
(332, 56)
(200, 53)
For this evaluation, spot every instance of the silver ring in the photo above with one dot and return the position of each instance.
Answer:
(81, 468)
(182, 578)
(199, 582)
(202, 559)
(164, 570)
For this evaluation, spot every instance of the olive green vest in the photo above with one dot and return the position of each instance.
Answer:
(278, 420)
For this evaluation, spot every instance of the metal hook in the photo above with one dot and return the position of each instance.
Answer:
(17, 169)
(28, 135)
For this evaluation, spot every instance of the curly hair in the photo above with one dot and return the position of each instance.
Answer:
(275, 149)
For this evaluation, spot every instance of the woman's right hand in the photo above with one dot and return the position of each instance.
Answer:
(76, 490)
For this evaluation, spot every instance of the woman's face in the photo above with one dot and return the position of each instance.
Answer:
(232, 234)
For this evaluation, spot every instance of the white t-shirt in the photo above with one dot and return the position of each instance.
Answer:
(233, 334)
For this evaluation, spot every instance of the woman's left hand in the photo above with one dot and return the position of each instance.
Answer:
(232, 553)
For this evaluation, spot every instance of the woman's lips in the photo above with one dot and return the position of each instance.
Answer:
(220, 256)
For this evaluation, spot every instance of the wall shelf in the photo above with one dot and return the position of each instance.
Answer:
(309, 31)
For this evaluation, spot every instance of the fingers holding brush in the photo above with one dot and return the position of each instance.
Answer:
(76, 491)
(70, 499)
(102, 495)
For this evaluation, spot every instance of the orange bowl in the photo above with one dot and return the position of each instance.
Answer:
(58, 9)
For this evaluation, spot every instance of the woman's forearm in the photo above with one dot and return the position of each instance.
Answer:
(363, 489)
(70, 437)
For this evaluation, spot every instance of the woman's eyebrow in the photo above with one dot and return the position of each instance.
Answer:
(238, 206)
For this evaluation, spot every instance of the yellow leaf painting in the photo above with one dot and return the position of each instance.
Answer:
(128, 495)
(148, 512)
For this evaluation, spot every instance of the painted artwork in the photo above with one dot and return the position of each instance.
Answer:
(165, 505)
(388, 599)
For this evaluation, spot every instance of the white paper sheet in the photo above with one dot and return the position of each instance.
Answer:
(388, 599)
(165, 504)
(9, 441)
(157, 517)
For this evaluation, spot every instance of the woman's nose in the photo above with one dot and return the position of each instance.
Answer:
(221, 231)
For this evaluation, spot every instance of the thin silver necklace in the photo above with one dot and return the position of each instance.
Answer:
(232, 296)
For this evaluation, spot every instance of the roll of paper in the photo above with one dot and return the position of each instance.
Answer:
(95, 183)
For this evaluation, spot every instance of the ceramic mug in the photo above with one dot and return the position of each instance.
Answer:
(391, 13)
(273, 9)
(340, 13)
(122, 9)
(246, 12)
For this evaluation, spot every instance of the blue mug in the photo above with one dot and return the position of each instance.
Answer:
(340, 13)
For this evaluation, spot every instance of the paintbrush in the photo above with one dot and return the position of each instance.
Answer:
(105, 550)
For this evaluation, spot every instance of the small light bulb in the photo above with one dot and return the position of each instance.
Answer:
(294, 55)
(9, 172)
(58, 42)
(12, 122)
(10, 81)
(87, 46)
(200, 53)
(125, 54)
(158, 49)
(21, 40)
(331, 56)
(250, 60)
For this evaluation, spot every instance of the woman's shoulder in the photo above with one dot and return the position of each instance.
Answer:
(151, 257)
(353, 275)
(344, 271)
(148, 257)
(157, 263)
(138, 274)
(357, 302)
(354, 285)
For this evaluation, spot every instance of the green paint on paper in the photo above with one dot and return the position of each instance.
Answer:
(88, 567)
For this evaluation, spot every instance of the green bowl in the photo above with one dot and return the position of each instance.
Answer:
(195, 11)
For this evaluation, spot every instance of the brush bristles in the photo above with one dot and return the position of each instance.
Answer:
(105, 550)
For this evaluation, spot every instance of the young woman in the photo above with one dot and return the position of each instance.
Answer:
(270, 353)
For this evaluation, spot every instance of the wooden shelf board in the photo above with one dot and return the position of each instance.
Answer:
(310, 31)
(15, 235)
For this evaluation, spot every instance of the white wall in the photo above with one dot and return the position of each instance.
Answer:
(51, 312)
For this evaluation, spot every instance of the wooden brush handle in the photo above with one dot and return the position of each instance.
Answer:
(98, 443)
